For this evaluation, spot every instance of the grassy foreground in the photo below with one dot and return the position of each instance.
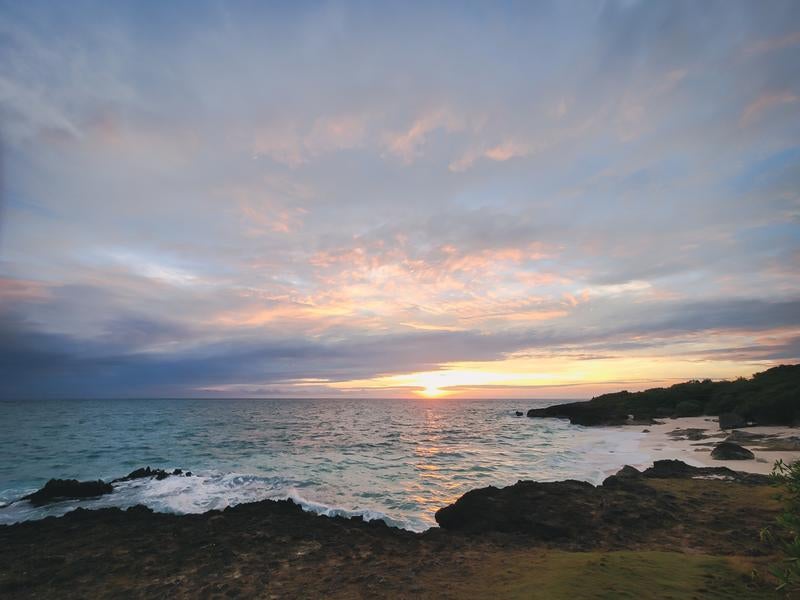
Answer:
(553, 574)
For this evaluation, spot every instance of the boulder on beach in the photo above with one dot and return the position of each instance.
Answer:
(68, 489)
(731, 451)
(693, 434)
(731, 421)
(518, 413)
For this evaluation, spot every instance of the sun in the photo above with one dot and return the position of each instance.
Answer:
(432, 391)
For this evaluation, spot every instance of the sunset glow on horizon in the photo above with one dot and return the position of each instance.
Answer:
(550, 201)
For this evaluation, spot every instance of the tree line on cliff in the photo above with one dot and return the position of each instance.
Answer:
(771, 397)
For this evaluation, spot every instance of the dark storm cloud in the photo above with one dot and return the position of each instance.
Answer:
(37, 364)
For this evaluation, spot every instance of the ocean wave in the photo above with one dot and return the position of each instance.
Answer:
(198, 494)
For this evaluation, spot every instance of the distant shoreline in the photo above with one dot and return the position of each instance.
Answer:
(663, 440)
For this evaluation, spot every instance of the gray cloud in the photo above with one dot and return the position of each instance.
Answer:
(34, 363)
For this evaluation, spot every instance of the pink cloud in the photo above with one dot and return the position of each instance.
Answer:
(499, 153)
(507, 150)
(776, 43)
(406, 145)
(275, 205)
(295, 144)
(765, 102)
(22, 289)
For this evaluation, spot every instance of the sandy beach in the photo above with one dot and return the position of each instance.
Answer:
(673, 439)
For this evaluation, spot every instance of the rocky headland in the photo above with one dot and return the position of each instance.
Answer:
(768, 398)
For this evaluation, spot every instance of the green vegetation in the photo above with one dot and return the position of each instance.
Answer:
(788, 573)
(553, 575)
(768, 398)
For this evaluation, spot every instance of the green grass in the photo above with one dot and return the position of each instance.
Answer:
(552, 575)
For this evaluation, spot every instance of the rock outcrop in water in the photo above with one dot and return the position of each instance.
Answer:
(68, 489)
(57, 490)
(582, 413)
(147, 472)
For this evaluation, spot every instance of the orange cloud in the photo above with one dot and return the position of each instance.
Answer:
(507, 150)
(499, 153)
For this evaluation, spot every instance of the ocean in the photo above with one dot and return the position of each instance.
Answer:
(396, 460)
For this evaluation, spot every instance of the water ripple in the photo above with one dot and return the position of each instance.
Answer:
(398, 460)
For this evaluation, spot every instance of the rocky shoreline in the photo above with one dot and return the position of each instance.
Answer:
(490, 540)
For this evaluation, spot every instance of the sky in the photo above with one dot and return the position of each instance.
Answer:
(345, 199)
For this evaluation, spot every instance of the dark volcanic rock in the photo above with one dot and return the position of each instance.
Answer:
(746, 437)
(68, 489)
(147, 472)
(692, 434)
(731, 451)
(672, 469)
(518, 413)
(731, 421)
(581, 413)
(547, 511)
(572, 512)
(676, 469)
(625, 477)
(625, 507)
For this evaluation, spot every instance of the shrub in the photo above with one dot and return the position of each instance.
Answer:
(788, 573)
(688, 409)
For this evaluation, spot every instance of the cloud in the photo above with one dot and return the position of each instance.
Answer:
(138, 355)
(787, 40)
(297, 194)
(295, 144)
(499, 153)
(408, 144)
(765, 102)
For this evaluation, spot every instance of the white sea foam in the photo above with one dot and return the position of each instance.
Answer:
(197, 494)
(395, 461)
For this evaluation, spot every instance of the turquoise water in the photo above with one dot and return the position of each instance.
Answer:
(399, 460)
